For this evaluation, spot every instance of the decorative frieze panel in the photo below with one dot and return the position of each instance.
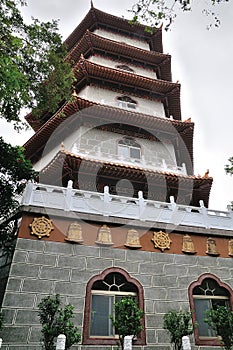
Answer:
(161, 240)
(132, 239)
(74, 233)
(104, 236)
(188, 245)
(211, 247)
(230, 247)
(41, 227)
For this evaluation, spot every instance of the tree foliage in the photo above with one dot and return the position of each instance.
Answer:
(221, 321)
(178, 324)
(127, 318)
(56, 320)
(30, 55)
(156, 12)
(15, 171)
(34, 74)
(229, 166)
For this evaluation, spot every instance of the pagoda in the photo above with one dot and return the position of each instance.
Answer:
(123, 120)
(117, 210)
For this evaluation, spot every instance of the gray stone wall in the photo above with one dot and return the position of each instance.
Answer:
(41, 268)
(5, 263)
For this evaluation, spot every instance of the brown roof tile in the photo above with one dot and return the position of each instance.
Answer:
(95, 18)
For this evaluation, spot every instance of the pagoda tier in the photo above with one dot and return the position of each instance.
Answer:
(96, 19)
(167, 92)
(89, 73)
(91, 44)
(79, 111)
(93, 174)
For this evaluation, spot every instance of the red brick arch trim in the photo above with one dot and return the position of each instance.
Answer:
(198, 282)
(87, 340)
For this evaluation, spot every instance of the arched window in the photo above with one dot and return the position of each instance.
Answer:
(101, 293)
(126, 102)
(128, 148)
(205, 294)
(125, 67)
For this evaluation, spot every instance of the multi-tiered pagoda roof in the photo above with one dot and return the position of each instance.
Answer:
(84, 43)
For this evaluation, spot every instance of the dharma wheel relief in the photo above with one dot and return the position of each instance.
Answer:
(41, 227)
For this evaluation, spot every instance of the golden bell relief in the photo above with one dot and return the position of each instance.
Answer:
(161, 240)
(41, 227)
(188, 246)
(74, 233)
(132, 239)
(230, 247)
(211, 247)
(104, 236)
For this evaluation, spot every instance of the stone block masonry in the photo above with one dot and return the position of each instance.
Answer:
(40, 268)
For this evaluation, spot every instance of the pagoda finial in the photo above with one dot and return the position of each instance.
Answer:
(62, 147)
(188, 120)
(206, 176)
(92, 4)
(74, 93)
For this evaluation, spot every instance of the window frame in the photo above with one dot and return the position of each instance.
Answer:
(125, 68)
(110, 340)
(126, 102)
(122, 143)
(203, 340)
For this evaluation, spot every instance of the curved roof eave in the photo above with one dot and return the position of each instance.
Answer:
(96, 17)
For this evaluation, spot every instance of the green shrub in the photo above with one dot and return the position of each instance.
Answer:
(178, 324)
(221, 321)
(127, 318)
(56, 320)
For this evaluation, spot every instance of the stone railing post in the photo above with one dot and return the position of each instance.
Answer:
(106, 201)
(128, 340)
(27, 195)
(68, 198)
(172, 203)
(184, 170)
(186, 343)
(141, 202)
(204, 212)
(61, 342)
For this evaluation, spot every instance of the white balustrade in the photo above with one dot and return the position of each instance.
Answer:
(161, 164)
(106, 204)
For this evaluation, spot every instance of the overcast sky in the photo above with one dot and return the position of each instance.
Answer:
(202, 61)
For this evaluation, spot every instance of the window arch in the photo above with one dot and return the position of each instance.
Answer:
(101, 293)
(126, 102)
(128, 148)
(206, 293)
(125, 67)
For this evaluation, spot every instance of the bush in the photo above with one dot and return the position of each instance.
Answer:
(221, 321)
(127, 318)
(56, 320)
(178, 324)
